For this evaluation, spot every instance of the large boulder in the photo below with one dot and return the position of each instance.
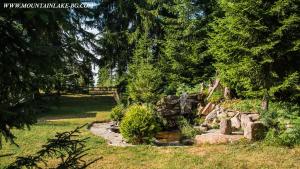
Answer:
(225, 126)
(215, 137)
(255, 131)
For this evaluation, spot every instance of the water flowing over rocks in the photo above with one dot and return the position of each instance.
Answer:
(171, 107)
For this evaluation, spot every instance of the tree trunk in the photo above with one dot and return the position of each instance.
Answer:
(215, 86)
(265, 102)
(227, 93)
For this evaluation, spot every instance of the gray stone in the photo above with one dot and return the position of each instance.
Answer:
(231, 113)
(215, 137)
(203, 128)
(254, 117)
(225, 126)
(236, 121)
(221, 114)
(255, 131)
(104, 131)
(245, 119)
(211, 116)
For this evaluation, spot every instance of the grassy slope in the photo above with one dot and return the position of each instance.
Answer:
(74, 111)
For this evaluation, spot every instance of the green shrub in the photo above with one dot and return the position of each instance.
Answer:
(290, 137)
(117, 113)
(139, 124)
(247, 105)
(186, 129)
(183, 88)
(199, 121)
(283, 121)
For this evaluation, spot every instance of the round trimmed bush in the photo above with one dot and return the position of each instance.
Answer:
(139, 124)
(117, 113)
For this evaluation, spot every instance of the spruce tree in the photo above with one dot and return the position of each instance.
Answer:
(186, 59)
(256, 46)
(40, 48)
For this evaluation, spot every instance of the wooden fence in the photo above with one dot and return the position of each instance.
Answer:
(102, 91)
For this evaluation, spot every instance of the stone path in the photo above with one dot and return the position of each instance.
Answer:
(103, 130)
(215, 137)
(210, 137)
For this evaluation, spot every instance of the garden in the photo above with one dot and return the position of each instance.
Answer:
(150, 84)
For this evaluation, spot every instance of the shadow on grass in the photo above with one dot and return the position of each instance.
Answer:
(76, 106)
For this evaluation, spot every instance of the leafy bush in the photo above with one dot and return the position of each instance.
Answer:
(139, 124)
(186, 129)
(283, 121)
(290, 137)
(199, 121)
(183, 88)
(248, 105)
(117, 113)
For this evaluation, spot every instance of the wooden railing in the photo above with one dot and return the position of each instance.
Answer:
(102, 91)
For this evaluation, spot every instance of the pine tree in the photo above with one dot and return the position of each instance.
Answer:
(256, 46)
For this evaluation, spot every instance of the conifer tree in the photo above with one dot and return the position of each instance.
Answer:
(185, 47)
(40, 48)
(256, 46)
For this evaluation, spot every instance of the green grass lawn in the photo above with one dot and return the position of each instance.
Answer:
(73, 111)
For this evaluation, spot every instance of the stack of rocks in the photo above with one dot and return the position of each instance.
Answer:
(230, 120)
(171, 107)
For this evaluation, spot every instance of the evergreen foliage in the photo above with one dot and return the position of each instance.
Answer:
(186, 59)
(256, 46)
(145, 82)
(43, 49)
(104, 77)
(148, 48)
(65, 146)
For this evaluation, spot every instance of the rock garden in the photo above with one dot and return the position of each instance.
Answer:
(187, 119)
